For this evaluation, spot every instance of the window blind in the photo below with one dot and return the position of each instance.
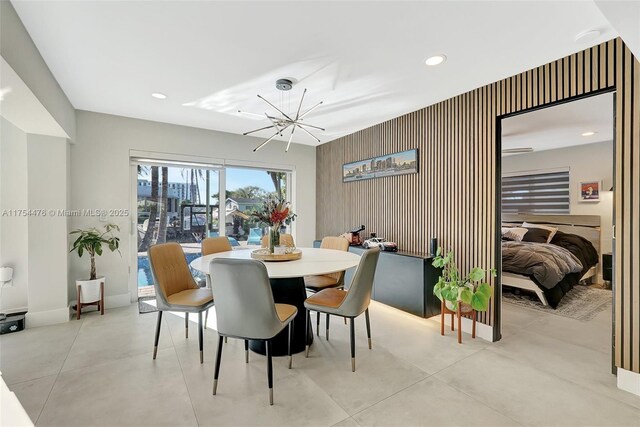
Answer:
(542, 193)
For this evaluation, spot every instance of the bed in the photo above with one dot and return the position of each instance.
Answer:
(552, 269)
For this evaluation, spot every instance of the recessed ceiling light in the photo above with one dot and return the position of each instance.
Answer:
(590, 133)
(435, 60)
(588, 36)
(158, 95)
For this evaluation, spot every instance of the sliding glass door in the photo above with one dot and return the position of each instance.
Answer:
(174, 204)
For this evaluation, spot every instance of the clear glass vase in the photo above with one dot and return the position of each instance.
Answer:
(274, 237)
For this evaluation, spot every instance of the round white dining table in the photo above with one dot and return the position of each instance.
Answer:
(287, 284)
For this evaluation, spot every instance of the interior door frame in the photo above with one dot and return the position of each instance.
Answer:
(497, 326)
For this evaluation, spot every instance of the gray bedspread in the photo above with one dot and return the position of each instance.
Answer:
(546, 263)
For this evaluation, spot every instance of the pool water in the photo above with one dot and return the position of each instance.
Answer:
(144, 269)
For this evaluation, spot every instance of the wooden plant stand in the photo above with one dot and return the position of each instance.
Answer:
(470, 314)
(99, 303)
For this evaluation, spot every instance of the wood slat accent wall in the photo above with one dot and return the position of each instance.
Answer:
(453, 197)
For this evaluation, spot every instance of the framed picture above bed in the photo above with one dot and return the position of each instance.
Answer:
(589, 191)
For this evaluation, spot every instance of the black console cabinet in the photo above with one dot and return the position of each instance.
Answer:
(404, 281)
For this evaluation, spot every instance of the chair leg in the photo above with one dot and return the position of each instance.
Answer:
(352, 326)
(306, 334)
(442, 320)
(326, 334)
(200, 337)
(206, 318)
(246, 351)
(452, 320)
(366, 317)
(459, 324)
(155, 342)
(226, 340)
(216, 371)
(345, 320)
(318, 323)
(186, 325)
(289, 343)
(269, 373)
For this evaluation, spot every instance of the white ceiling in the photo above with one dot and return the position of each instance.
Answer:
(364, 59)
(561, 126)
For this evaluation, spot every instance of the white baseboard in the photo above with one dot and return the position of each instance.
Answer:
(629, 381)
(484, 332)
(115, 301)
(34, 319)
(15, 310)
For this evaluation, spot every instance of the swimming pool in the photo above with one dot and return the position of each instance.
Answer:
(144, 269)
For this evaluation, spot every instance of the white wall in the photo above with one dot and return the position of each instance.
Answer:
(17, 48)
(47, 193)
(13, 229)
(586, 163)
(101, 178)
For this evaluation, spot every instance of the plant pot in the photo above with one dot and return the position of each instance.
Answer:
(90, 289)
(464, 308)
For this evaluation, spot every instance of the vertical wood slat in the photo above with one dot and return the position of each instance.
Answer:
(453, 196)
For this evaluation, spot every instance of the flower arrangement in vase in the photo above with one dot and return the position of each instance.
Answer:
(275, 213)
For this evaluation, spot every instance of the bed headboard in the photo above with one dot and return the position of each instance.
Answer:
(587, 226)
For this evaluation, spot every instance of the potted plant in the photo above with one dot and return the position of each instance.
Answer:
(91, 241)
(275, 213)
(471, 291)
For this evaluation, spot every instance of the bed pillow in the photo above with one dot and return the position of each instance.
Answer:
(536, 235)
(514, 233)
(552, 230)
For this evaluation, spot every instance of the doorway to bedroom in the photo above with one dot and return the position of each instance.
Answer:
(557, 225)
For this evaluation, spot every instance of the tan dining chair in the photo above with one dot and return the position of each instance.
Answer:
(213, 245)
(246, 310)
(176, 290)
(285, 239)
(348, 304)
(333, 280)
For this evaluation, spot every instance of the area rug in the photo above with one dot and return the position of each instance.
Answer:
(145, 307)
(581, 303)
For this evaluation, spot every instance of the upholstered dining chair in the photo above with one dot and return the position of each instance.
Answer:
(285, 239)
(348, 304)
(213, 245)
(246, 310)
(176, 290)
(326, 281)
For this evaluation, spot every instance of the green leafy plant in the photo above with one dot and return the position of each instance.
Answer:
(453, 288)
(91, 241)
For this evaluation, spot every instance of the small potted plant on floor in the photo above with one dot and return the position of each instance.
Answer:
(91, 241)
(471, 291)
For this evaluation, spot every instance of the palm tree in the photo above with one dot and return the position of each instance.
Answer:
(278, 179)
(164, 206)
(153, 212)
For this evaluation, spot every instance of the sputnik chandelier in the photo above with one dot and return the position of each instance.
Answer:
(284, 121)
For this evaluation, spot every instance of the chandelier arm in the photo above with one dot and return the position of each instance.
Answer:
(308, 133)
(300, 106)
(279, 110)
(290, 138)
(311, 126)
(310, 110)
(265, 142)
(258, 130)
(249, 114)
(279, 132)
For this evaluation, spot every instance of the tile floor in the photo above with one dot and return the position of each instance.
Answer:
(548, 370)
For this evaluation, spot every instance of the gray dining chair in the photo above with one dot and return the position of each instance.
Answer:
(348, 304)
(325, 281)
(245, 309)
